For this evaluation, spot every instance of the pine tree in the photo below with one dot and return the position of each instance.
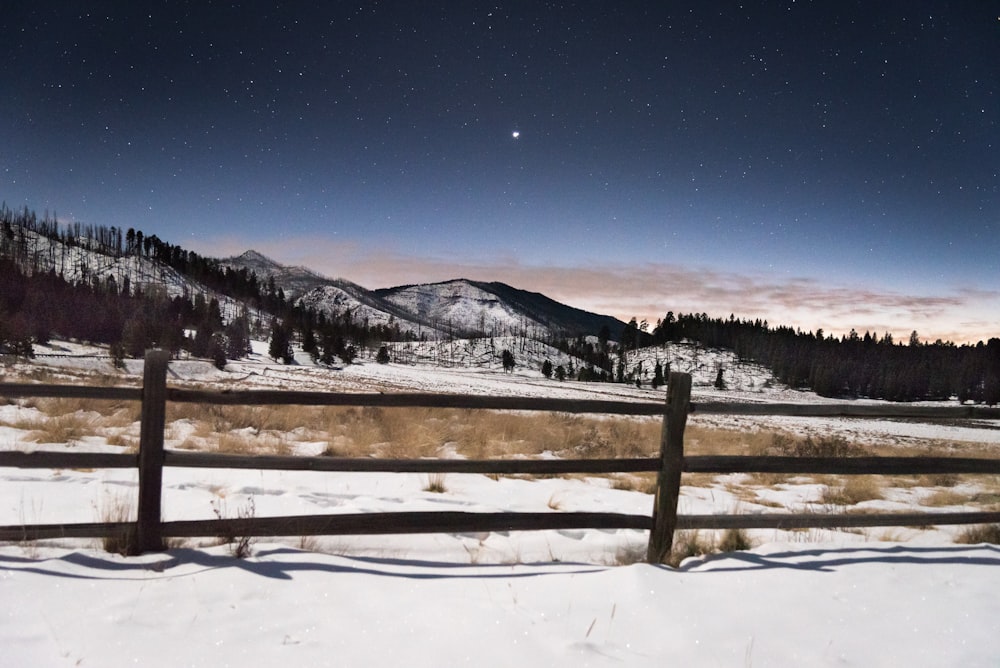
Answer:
(507, 359)
(720, 382)
(280, 347)
(657, 375)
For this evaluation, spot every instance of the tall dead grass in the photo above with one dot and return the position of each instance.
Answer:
(68, 429)
(482, 434)
(854, 490)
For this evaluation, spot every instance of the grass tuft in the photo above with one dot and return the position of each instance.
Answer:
(118, 508)
(979, 533)
(734, 540)
(689, 544)
(857, 489)
(435, 483)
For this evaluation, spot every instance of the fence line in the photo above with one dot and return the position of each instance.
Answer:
(148, 531)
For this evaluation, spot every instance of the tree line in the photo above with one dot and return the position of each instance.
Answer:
(854, 365)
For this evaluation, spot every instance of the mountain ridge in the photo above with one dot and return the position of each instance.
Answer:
(456, 306)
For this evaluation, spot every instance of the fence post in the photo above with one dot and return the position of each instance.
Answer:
(668, 480)
(154, 406)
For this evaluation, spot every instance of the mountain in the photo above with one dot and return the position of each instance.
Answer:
(474, 307)
(458, 307)
(295, 281)
(127, 262)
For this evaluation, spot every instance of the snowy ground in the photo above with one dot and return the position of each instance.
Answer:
(533, 598)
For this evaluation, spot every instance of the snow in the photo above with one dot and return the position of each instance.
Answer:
(880, 597)
(457, 306)
(872, 605)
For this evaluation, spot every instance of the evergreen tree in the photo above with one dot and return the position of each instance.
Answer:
(720, 382)
(657, 375)
(383, 355)
(507, 360)
(547, 369)
(217, 351)
(280, 347)
(237, 337)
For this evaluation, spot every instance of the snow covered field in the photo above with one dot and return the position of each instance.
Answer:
(894, 596)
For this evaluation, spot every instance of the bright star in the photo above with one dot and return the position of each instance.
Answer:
(515, 134)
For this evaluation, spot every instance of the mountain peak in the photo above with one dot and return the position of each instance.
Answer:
(254, 259)
(254, 256)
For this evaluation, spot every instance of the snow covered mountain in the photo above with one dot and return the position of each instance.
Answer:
(295, 281)
(474, 307)
(458, 307)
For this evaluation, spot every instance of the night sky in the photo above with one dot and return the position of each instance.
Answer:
(818, 164)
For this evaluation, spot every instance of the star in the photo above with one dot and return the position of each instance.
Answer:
(515, 134)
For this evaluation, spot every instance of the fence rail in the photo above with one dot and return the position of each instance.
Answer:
(148, 531)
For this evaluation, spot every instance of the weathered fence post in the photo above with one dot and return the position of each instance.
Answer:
(668, 480)
(154, 407)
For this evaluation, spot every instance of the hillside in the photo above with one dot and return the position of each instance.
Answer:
(467, 307)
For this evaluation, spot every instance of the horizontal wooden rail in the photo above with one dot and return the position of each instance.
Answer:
(847, 410)
(358, 524)
(43, 459)
(431, 400)
(70, 392)
(343, 525)
(839, 465)
(83, 530)
(368, 464)
(410, 400)
(467, 522)
(832, 521)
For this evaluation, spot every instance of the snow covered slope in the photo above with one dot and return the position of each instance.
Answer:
(495, 309)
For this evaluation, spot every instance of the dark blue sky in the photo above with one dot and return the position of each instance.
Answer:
(822, 164)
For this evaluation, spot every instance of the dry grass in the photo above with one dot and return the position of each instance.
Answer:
(981, 533)
(118, 508)
(482, 434)
(734, 540)
(69, 429)
(129, 443)
(260, 419)
(435, 483)
(631, 553)
(247, 444)
(945, 497)
(856, 489)
(689, 544)
(634, 482)
(239, 546)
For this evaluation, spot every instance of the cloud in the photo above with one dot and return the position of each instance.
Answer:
(648, 291)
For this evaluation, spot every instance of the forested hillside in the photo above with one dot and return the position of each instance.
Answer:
(855, 365)
(133, 291)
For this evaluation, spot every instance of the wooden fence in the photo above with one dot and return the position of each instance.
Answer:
(147, 533)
